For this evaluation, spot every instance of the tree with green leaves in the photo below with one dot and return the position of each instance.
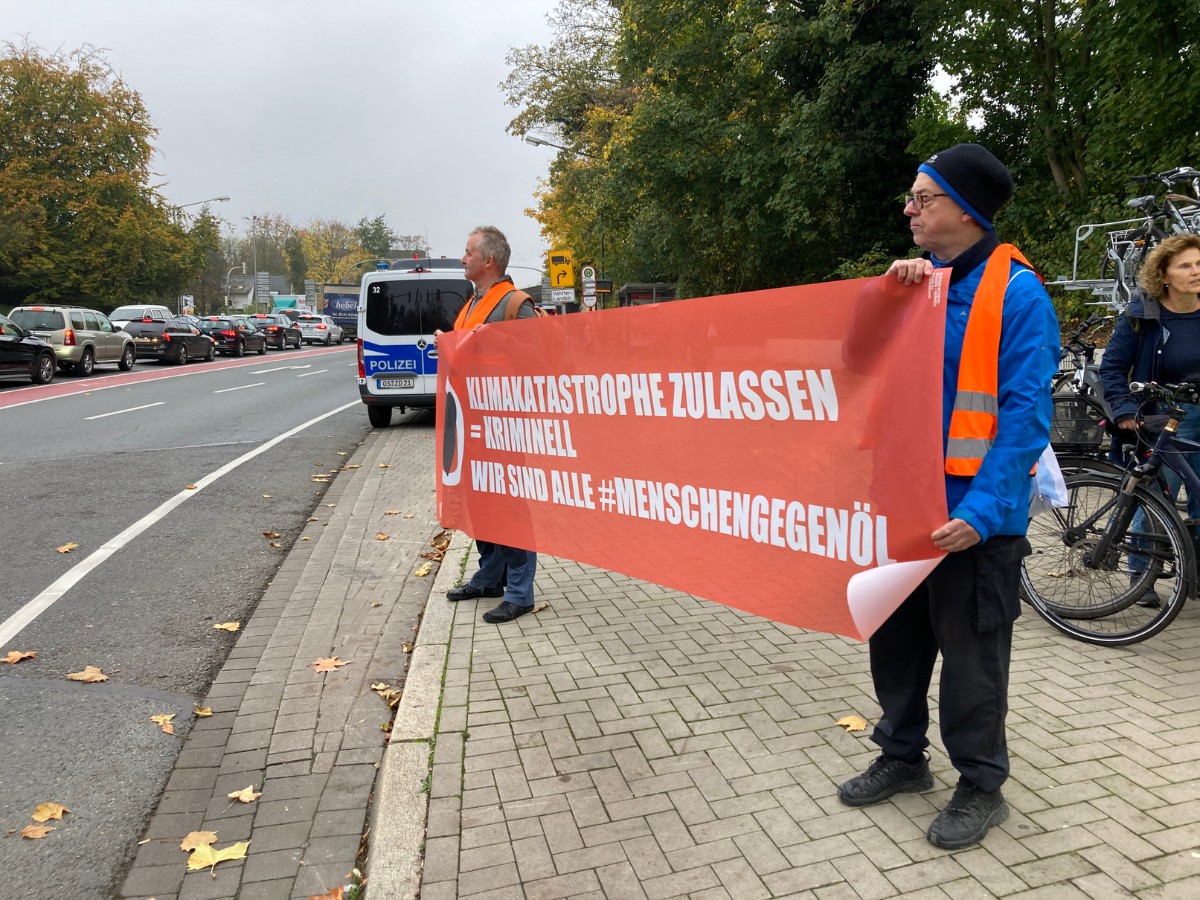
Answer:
(727, 146)
(79, 220)
(375, 236)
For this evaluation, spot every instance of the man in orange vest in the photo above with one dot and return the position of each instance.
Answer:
(1001, 350)
(506, 572)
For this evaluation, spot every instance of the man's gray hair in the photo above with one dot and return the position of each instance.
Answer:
(492, 242)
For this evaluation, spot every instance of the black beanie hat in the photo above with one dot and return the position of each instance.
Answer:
(974, 179)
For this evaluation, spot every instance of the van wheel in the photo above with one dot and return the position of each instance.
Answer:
(87, 364)
(128, 358)
(379, 416)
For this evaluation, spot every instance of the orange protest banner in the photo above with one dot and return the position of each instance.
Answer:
(756, 449)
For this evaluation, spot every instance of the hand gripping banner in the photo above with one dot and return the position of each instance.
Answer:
(757, 449)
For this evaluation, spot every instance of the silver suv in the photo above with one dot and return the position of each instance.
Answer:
(82, 338)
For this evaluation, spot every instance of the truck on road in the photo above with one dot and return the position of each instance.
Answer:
(341, 305)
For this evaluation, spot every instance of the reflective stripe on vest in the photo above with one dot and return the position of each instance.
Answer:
(976, 414)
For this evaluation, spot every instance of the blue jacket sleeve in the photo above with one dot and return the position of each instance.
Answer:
(1029, 353)
(1115, 366)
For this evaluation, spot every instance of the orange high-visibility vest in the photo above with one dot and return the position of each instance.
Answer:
(470, 316)
(976, 414)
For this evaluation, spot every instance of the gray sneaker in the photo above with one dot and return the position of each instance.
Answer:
(968, 816)
(886, 776)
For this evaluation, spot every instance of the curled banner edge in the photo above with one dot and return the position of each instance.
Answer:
(875, 594)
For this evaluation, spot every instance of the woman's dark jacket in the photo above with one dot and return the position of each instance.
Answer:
(1132, 354)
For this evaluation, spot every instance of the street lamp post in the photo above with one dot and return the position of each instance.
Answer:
(346, 273)
(535, 141)
(241, 266)
(198, 202)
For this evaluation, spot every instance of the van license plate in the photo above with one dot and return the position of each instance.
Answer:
(405, 381)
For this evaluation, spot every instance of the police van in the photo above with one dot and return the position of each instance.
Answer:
(399, 309)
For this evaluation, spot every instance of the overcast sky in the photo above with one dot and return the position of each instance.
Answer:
(318, 109)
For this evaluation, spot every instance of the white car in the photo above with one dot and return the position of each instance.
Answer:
(123, 315)
(319, 330)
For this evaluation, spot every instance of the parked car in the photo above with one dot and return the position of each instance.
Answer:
(234, 335)
(82, 338)
(23, 355)
(319, 329)
(176, 340)
(278, 329)
(123, 315)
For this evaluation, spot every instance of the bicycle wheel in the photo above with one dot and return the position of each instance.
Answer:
(1073, 463)
(1077, 426)
(1098, 603)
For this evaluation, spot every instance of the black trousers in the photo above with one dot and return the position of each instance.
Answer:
(964, 610)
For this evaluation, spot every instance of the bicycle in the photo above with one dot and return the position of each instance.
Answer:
(1077, 356)
(1119, 534)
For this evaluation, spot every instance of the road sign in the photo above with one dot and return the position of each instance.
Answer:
(562, 295)
(588, 276)
(562, 269)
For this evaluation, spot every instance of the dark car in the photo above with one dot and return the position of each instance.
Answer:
(279, 330)
(22, 355)
(175, 340)
(234, 335)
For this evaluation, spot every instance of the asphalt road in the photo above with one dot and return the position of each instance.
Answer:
(83, 461)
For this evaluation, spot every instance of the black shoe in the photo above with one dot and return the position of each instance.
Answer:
(968, 816)
(466, 592)
(886, 776)
(1150, 599)
(505, 612)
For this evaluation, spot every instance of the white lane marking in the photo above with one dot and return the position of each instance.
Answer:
(119, 411)
(317, 372)
(18, 621)
(240, 388)
(277, 369)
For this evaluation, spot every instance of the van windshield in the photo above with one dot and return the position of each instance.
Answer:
(415, 306)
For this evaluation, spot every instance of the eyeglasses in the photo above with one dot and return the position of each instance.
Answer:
(918, 201)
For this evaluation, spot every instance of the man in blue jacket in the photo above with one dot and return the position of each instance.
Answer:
(1001, 350)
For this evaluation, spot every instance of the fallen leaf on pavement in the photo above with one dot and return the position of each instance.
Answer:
(321, 479)
(330, 664)
(201, 712)
(164, 721)
(15, 656)
(410, 515)
(331, 505)
(205, 857)
(342, 453)
(852, 723)
(540, 605)
(306, 538)
(385, 465)
(312, 519)
(423, 570)
(34, 832)
(387, 693)
(89, 675)
(380, 536)
(198, 839)
(248, 795)
(276, 544)
(270, 534)
(376, 604)
(351, 466)
(266, 496)
(190, 487)
(67, 548)
(391, 512)
(335, 893)
(406, 647)
(44, 812)
(228, 626)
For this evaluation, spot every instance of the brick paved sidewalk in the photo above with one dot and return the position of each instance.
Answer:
(632, 741)
(311, 743)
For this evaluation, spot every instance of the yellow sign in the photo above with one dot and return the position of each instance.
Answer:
(562, 269)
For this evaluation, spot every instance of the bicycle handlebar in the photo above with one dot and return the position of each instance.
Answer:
(1185, 392)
